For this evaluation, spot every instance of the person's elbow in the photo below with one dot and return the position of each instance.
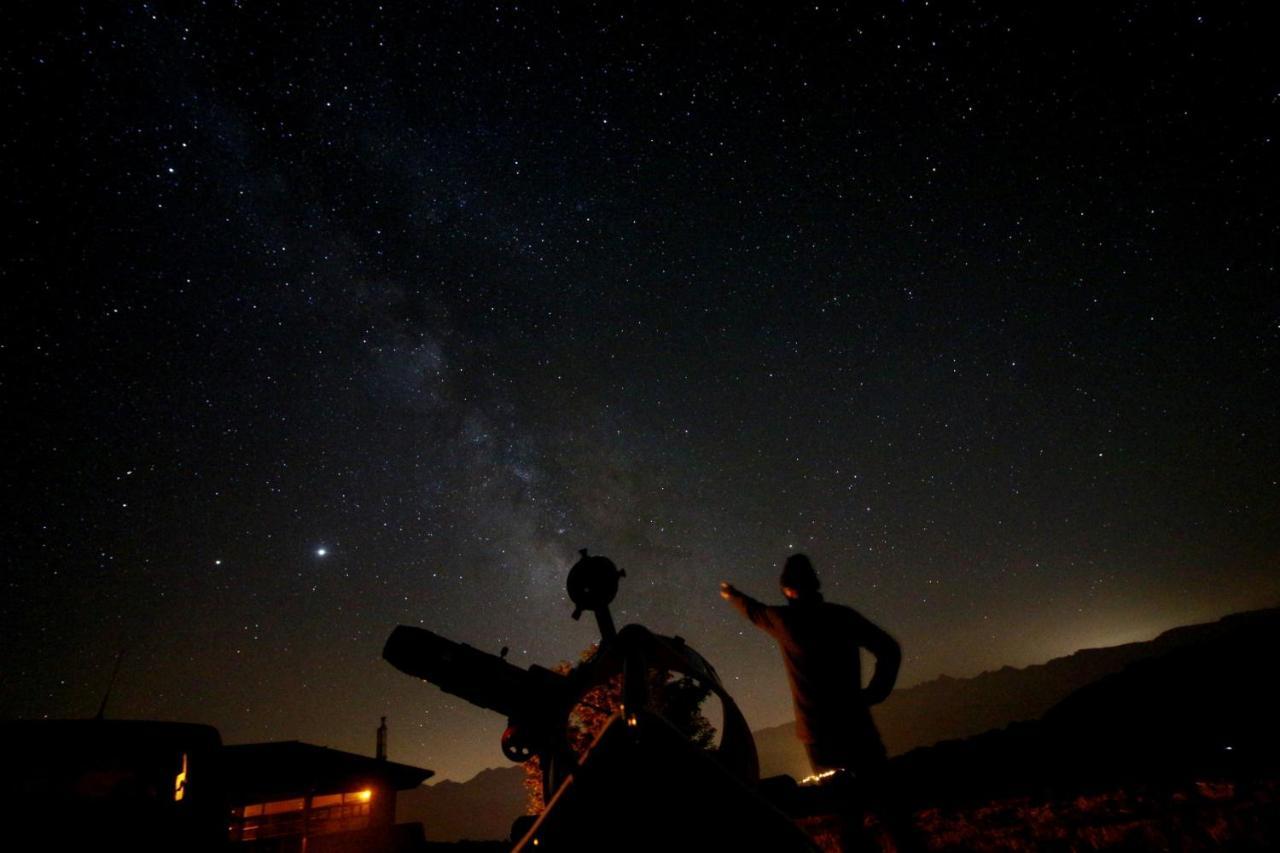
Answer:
(892, 654)
(887, 652)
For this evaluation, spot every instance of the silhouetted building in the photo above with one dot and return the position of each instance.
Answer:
(292, 796)
(145, 785)
(87, 784)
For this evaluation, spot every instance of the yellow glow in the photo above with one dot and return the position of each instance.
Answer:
(817, 777)
(180, 781)
(364, 796)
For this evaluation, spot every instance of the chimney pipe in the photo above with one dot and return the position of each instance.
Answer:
(382, 740)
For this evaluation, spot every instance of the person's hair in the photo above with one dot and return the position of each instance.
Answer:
(798, 574)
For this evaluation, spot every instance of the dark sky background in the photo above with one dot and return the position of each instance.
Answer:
(976, 303)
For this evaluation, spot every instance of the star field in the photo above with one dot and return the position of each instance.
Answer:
(323, 320)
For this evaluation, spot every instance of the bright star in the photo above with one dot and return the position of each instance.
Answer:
(320, 552)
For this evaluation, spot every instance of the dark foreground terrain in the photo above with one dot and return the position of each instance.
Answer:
(1202, 816)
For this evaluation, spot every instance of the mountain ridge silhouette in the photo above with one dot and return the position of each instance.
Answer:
(1202, 708)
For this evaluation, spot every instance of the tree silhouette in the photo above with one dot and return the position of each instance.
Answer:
(679, 701)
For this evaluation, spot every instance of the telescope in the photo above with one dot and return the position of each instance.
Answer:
(641, 781)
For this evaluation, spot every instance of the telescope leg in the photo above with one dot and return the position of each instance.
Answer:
(635, 686)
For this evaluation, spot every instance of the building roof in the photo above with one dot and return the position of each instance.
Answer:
(257, 772)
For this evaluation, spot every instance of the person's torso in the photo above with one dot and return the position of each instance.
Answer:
(820, 647)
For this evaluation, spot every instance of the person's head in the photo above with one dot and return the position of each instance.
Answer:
(798, 579)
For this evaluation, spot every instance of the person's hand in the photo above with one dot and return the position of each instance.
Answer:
(727, 591)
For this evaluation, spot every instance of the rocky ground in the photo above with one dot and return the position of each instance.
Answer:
(1201, 816)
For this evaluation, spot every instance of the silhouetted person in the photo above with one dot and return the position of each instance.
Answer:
(820, 645)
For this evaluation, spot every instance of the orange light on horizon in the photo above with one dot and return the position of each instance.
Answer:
(364, 796)
(817, 777)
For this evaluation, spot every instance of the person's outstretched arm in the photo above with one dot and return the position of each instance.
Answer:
(758, 613)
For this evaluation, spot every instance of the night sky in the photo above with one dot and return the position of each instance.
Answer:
(318, 321)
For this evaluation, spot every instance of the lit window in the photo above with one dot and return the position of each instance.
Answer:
(297, 804)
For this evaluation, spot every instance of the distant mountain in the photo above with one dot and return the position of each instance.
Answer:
(480, 809)
(1205, 706)
(954, 708)
(780, 753)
